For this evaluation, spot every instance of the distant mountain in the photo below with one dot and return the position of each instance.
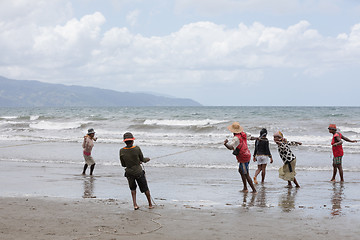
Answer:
(26, 93)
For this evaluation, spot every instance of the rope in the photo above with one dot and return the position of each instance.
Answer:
(113, 231)
(175, 153)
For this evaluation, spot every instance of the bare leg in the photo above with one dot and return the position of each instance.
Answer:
(147, 194)
(248, 178)
(243, 178)
(341, 172)
(289, 184)
(296, 183)
(258, 170)
(263, 172)
(133, 195)
(85, 167)
(334, 172)
(92, 168)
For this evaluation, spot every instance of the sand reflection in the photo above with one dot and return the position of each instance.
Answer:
(261, 197)
(287, 201)
(89, 187)
(248, 200)
(336, 199)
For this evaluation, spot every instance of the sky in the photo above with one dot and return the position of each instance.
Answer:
(216, 52)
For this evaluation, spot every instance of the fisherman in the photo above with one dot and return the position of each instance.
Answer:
(338, 151)
(243, 155)
(88, 145)
(131, 157)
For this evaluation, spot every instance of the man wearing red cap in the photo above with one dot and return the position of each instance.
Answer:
(131, 157)
(338, 151)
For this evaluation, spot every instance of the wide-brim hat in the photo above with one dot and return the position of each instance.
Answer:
(128, 137)
(235, 128)
(91, 131)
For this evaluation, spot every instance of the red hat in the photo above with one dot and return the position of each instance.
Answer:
(332, 126)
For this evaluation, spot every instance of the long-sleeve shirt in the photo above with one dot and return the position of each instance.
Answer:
(88, 144)
(131, 158)
(285, 152)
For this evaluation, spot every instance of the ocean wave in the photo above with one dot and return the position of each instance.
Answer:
(171, 122)
(47, 125)
(33, 118)
(349, 129)
(9, 117)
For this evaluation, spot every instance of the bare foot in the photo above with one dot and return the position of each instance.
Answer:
(332, 180)
(255, 180)
(136, 207)
(245, 190)
(151, 207)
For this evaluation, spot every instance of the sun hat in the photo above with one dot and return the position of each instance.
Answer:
(332, 126)
(128, 137)
(235, 128)
(90, 131)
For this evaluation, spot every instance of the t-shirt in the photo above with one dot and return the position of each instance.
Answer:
(131, 159)
(88, 144)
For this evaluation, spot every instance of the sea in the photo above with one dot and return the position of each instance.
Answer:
(169, 134)
(186, 143)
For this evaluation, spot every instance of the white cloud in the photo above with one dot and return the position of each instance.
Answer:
(80, 51)
(132, 17)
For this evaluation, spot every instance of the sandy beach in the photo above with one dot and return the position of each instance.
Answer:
(39, 218)
(52, 201)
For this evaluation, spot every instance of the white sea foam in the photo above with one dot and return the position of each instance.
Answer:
(170, 122)
(33, 118)
(47, 125)
(9, 117)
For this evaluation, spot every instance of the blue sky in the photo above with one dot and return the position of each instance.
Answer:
(217, 52)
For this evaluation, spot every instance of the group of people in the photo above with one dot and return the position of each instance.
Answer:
(131, 158)
(262, 154)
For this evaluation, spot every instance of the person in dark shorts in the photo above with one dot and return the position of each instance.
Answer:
(131, 158)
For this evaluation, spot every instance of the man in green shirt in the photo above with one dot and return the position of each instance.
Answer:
(131, 157)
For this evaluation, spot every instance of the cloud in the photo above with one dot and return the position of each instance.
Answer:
(274, 7)
(81, 51)
(132, 17)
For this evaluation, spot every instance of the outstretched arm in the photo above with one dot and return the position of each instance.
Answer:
(347, 139)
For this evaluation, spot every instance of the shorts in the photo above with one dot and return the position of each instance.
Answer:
(244, 168)
(337, 160)
(262, 159)
(140, 180)
(89, 160)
